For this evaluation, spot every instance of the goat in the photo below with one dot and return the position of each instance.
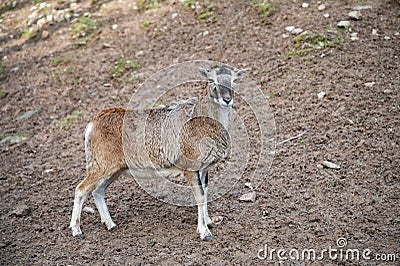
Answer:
(191, 143)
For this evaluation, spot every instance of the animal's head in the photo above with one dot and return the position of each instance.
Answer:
(221, 83)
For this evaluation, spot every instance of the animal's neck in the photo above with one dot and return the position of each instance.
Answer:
(209, 108)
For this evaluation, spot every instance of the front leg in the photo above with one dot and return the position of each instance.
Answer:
(194, 179)
(204, 182)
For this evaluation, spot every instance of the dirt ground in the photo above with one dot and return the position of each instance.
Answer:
(54, 78)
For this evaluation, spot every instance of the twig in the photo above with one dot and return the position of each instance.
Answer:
(292, 138)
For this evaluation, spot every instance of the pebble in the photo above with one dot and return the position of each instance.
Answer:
(114, 27)
(217, 219)
(21, 210)
(359, 8)
(305, 5)
(326, 15)
(174, 15)
(251, 196)
(387, 91)
(321, 7)
(248, 185)
(369, 84)
(297, 31)
(374, 32)
(354, 37)
(45, 34)
(321, 95)
(387, 37)
(26, 115)
(356, 15)
(330, 165)
(344, 24)
(290, 28)
(88, 210)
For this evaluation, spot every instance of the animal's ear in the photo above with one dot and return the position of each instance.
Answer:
(203, 72)
(241, 72)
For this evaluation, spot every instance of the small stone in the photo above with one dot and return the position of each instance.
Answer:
(114, 27)
(296, 31)
(205, 33)
(45, 34)
(26, 115)
(374, 32)
(326, 15)
(360, 8)
(387, 38)
(139, 53)
(369, 84)
(41, 22)
(290, 28)
(217, 219)
(355, 15)
(88, 210)
(396, 33)
(321, 7)
(106, 45)
(47, 171)
(330, 165)
(248, 197)
(387, 91)
(285, 36)
(14, 69)
(248, 185)
(321, 95)
(353, 36)
(174, 15)
(344, 24)
(21, 210)
(304, 5)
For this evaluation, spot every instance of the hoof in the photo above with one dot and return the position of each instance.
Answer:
(209, 238)
(114, 228)
(211, 225)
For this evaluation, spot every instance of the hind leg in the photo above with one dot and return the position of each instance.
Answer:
(98, 195)
(81, 192)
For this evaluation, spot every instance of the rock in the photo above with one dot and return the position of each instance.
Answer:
(41, 22)
(387, 91)
(344, 24)
(321, 7)
(290, 28)
(304, 5)
(174, 15)
(321, 95)
(139, 53)
(21, 211)
(296, 31)
(13, 139)
(355, 15)
(114, 27)
(330, 165)
(326, 15)
(360, 8)
(374, 32)
(14, 69)
(217, 219)
(26, 115)
(248, 185)
(353, 36)
(369, 84)
(106, 45)
(88, 210)
(251, 196)
(45, 34)
(387, 38)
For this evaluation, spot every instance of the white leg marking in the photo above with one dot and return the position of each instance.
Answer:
(202, 228)
(98, 195)
(80, 198)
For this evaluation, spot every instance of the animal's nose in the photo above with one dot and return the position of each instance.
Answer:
(227, 99)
